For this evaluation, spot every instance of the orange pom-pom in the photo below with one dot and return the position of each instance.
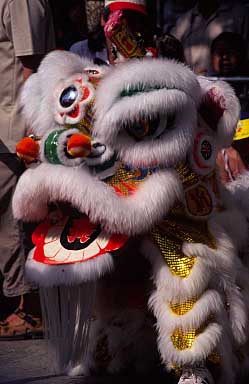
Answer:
(79, 145)
(27, 149)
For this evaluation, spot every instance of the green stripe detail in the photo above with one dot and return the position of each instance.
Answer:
(51, 147)
(140, 88)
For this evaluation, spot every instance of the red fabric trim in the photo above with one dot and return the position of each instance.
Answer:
(124, 5)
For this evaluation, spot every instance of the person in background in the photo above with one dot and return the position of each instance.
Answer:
(229, 55)
(229, 59)
(169, 11)
(26, 35)
(94, 47)
(98, 47)
(69, 22)
(197, 28)
(170, 47)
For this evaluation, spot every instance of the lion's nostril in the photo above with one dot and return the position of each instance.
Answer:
(97, 149)
(96, 145)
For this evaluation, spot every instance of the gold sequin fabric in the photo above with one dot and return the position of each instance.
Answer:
(179, 227)
(182, 225)
(169, 236)
(186, 176)
(127, 180)
(171, 250)
(202, 196)
(180, 309)
(184, 339)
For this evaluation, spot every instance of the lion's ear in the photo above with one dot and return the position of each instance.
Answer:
(220, 108)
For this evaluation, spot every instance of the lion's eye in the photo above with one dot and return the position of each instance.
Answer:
(144, 128)
(93, 72)
(68, 96)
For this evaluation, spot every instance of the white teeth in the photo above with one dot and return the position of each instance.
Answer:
(75, 256)
(102, 241)
(91, 250)
(52, 248)
(56, 252)
(63, 255)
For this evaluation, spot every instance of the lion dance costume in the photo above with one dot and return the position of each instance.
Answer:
(125, 158)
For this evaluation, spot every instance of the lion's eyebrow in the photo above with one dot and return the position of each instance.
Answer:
(140, 88)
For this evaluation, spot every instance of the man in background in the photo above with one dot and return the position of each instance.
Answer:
(197, 28)
(26, 35)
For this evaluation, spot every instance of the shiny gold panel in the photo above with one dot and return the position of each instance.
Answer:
(180, 309)
(169, 236)
(183, 340)
(126, 181)
(171, 250)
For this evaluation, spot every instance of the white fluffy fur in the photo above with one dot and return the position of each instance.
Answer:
(129, 338)
(208, 261)
(216, 269)
(239, 190)
(69, 274)
(178, 95)
(37, 96)
(209, 302)
(96, 199)
(166, 73)
(67, 313)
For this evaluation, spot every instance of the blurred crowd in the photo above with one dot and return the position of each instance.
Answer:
(209, 36)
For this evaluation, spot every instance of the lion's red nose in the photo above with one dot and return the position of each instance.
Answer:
(79, 145)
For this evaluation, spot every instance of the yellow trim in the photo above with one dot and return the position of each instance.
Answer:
(242, 131)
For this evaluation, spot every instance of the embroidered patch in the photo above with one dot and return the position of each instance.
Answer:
(204, 153)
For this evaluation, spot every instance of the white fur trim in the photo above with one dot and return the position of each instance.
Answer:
(209, 262)
(204, 344)
(37, 96)
(215, 268)
(169, 89)
(94, 198)
(239, 190)
(67, 312)
(72, 274)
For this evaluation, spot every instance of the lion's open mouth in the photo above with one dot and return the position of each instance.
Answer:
(79, 234)
(72, 240)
